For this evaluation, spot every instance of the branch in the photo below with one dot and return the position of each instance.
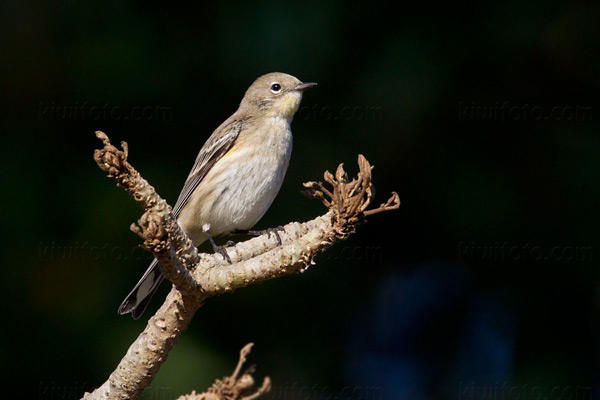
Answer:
(197, 277)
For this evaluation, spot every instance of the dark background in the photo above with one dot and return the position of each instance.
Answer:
(483, 117)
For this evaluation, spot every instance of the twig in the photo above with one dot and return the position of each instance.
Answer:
(231, 387)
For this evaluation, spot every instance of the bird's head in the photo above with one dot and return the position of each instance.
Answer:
(274, 95)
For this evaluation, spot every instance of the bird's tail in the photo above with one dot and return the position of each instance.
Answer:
(139, 298)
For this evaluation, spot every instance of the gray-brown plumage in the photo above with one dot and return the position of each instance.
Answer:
(237, 173)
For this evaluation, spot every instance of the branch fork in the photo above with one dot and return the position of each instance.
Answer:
(196, 277)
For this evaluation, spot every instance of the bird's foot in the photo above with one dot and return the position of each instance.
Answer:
(218, 249)
(269, 231)
(222, 251)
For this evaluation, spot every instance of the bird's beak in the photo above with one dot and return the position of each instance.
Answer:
(303, 86)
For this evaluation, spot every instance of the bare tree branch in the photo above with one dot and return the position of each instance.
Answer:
(196, 276)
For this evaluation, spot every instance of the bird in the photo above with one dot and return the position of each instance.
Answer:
(236, 176)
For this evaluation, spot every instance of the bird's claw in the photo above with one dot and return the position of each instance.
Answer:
(268, 232)
(218, 249)
(222, 251)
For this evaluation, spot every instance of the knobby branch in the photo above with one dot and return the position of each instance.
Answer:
(196, 277)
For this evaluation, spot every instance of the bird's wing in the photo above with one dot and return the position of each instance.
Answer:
(218, 144)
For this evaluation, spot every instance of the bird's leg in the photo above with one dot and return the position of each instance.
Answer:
(268, 231)
(218, 249)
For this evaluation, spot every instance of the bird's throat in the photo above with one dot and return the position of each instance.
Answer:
(289, 106)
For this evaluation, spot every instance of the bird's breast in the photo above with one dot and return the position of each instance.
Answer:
(241, 186)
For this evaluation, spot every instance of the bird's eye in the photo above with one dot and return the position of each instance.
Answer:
(275, 88)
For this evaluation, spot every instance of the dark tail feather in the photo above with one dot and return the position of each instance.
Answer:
(139, 298)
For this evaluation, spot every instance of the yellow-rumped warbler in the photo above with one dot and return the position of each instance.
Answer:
(237, 173)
